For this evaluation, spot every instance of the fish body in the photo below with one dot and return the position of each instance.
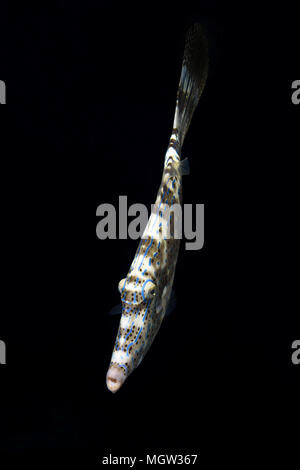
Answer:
(146, 290)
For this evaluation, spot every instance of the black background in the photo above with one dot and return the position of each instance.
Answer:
(90, 100)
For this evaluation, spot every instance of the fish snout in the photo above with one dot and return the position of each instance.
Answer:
(115, 378)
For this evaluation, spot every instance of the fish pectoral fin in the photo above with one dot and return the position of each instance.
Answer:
(184, 167)
(171, 304)
(116, 310)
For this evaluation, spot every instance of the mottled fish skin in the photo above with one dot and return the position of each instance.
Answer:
(146, 290)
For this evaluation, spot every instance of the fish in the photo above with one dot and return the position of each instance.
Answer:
(146, 290)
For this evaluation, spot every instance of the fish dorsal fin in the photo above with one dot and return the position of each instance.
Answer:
(184, 167)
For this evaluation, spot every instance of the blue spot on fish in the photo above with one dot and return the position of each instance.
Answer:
(146, 252)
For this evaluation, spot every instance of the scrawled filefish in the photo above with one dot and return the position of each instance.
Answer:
(145, 292)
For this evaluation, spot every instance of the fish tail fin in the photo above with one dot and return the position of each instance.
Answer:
(192, 80)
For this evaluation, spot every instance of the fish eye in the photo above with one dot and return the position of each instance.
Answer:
(121, 285)
(148, 289)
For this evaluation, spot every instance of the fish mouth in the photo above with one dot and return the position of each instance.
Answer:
(115, 378)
